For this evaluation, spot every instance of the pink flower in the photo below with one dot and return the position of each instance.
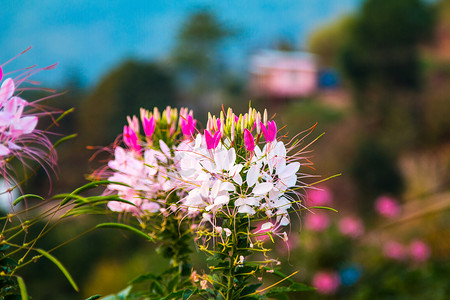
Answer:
(19, 137)
(270, 133)
(317, 221)
(387, 207)
(394, 250)
(326, 282)
(149, 126)
(212, 141)
(188, 125)
(249, 140)
(419, 251)
(131, 139)
(320, 196)
(351, 226)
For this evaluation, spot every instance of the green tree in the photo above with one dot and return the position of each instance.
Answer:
(327, 41)
(122, 93)
(383, 45)
(196, 56)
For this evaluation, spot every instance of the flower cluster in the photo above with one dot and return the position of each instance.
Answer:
(237, 166)
(19, 137)
(146, 164)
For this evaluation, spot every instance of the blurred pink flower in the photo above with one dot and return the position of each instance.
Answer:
(317, 221)
(419, 251)
(320, 196)
(394, 250)
(326, 282)
(351, 226)
(387, 206)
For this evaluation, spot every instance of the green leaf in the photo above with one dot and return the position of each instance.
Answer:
(280, 296)
(296, 287)
(322, 207)
(89, 186)
(173, 282)
(58, 142)
(22, 287)
(250, 289)
(93, 297)
(174, 295)
(279, 274)
(300, 287)
(187, 294)
(145, 277)
(64, 114)
(123, 294)
(125, 227)
(60, 266)
(19, 199)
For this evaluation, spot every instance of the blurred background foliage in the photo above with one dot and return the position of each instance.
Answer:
(387, 124)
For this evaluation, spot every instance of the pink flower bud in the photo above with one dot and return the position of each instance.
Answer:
(188, 125)
(133, 123)
(131, 139)
(149, 126)
(270, 133)
(248, 140)
(212, 141)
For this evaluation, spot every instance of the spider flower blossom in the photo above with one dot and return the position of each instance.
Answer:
(229, 170)
(19, 137)
(326, 282)
(145, 166)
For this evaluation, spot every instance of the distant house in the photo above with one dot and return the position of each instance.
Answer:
(281, 74)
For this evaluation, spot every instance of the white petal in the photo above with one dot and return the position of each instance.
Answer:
(266, 226)
(252, 175)
(290, 181)
(252, 201)
(284, 221)
(228, 186)
(231, 158)
(216, 188)
(164, 148)
(204, 190)
(238, 179)
(221, 160)
(239, 202)
(245, 209)
(289, 170)
(262, 188)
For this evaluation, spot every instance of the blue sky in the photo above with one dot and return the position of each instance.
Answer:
(94, 36)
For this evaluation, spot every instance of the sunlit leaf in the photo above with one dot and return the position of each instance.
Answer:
(125, 227)
(19, 199)
(22, 288)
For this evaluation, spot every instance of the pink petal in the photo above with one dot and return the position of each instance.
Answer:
(24, 126)
(248, 140)
(4, 150)
(6, 90)
(208, 140)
